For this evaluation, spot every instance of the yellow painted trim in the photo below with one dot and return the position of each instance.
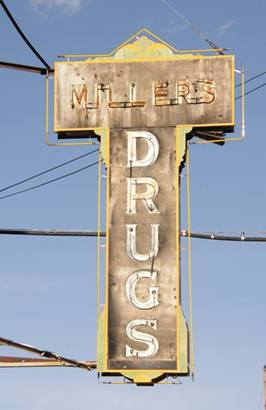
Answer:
(99, 237)
(233, 88)
(225, 124)
(61, 144)
(181, 51)
(178, 336)
(138, 33)
(132, 60)
(191, 342)
(180, 134)
(242, 123)
(107, 248)
(174, 57)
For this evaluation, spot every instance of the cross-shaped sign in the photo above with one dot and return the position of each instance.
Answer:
(144, 100)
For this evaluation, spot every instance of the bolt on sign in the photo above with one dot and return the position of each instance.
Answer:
(144, 99)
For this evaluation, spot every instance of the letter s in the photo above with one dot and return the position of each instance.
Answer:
(151, 341)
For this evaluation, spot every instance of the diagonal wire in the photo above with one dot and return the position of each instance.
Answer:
(44, 353)
(251, 79)
(49, 182)
(13, 21)
(192, 26)
(251, 91)
(48, 170)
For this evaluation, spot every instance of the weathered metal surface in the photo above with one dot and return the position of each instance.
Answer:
(124, 307)
(192, 90)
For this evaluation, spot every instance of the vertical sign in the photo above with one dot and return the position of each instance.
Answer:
(143, 275)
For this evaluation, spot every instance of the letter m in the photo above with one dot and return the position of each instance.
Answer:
(79, 94)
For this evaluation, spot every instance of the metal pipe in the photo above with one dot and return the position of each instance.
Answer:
(7, 361)
(47, 354)
(24, 67)
(264, 382)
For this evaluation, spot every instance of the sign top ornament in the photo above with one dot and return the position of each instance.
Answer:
(142, 47)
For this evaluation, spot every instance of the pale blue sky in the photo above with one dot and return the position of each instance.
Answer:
(48, 284)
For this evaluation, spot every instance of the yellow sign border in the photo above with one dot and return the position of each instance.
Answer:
(147, 375)
(145, 59)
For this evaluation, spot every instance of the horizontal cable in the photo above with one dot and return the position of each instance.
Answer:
(49, 232)
(223, 237)
(79, 233)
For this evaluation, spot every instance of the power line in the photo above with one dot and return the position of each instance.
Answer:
(242, 237)
(211, 44)
(223, 237)
(192, 26)
(48, 170)
(48, 354)
(251, 91)
(13, 21)
(49, 182)
(49, 232)
(251, 79)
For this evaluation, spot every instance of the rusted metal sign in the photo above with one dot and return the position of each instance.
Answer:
(143, 250)
(194, 90)
(142, 100)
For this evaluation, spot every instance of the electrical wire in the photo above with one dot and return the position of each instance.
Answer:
(243, 237)
(251, 91)
(217, 236)
(13, 21)
(49, 182)
(212, 45)
(48, 170)
(251, 79)
(192, 26)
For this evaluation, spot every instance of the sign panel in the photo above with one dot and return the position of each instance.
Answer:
(191, 90)
(142, 250)
(146, 99)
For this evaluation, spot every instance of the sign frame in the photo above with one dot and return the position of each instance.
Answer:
(174, 57)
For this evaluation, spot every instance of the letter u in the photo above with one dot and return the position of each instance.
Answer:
(132, 246)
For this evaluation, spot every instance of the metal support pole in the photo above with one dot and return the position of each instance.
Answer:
(264, 386)
(7, 361)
